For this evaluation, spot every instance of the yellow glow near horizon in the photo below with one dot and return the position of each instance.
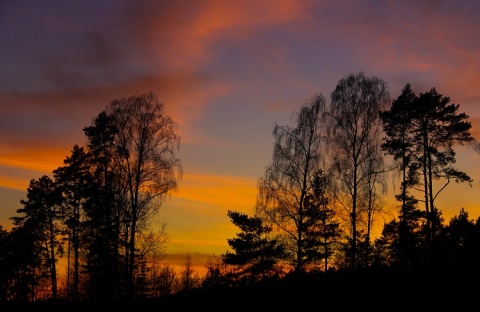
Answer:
(218, 190)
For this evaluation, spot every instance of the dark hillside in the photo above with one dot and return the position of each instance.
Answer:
(376, 291)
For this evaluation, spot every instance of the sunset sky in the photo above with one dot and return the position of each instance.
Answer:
(226, 72)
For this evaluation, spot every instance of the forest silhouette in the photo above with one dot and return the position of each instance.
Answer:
(310, 238)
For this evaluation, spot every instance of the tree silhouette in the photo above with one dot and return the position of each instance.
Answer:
(74, 180)
(39, 231)
(102, 224)
(189, 279)
(147, 166)
(322, 230)
(437, 127)
(461, 245)
(297, 157)
(356, 130)
(421, 132)
(254, 255)
(402, 244)
(398, 142)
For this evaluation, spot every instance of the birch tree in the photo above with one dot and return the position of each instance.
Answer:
(297, 158)
(147, 166)
(357, 162)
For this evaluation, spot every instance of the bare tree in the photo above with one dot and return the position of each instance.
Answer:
(189, 279)
(355, 128)
(475, 145)
(148, 167)
(289, 178)
(151, 249)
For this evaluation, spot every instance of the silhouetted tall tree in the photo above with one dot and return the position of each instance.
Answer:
(356, 132)
(437, 126)
(297, 157)
(147, 166)
(38, 230)
(399, 143)
(74, 180)
(420, 134)
(102, 226)
(27, 265)
(322, 230)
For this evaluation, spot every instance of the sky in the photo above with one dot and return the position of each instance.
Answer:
(226, 72)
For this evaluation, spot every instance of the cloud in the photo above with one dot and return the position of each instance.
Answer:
(230, 192)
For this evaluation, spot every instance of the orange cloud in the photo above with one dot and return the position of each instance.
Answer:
(177, 40)
(228, 192)
(29, 160)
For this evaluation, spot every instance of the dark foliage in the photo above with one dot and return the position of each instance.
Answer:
(379, 289)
